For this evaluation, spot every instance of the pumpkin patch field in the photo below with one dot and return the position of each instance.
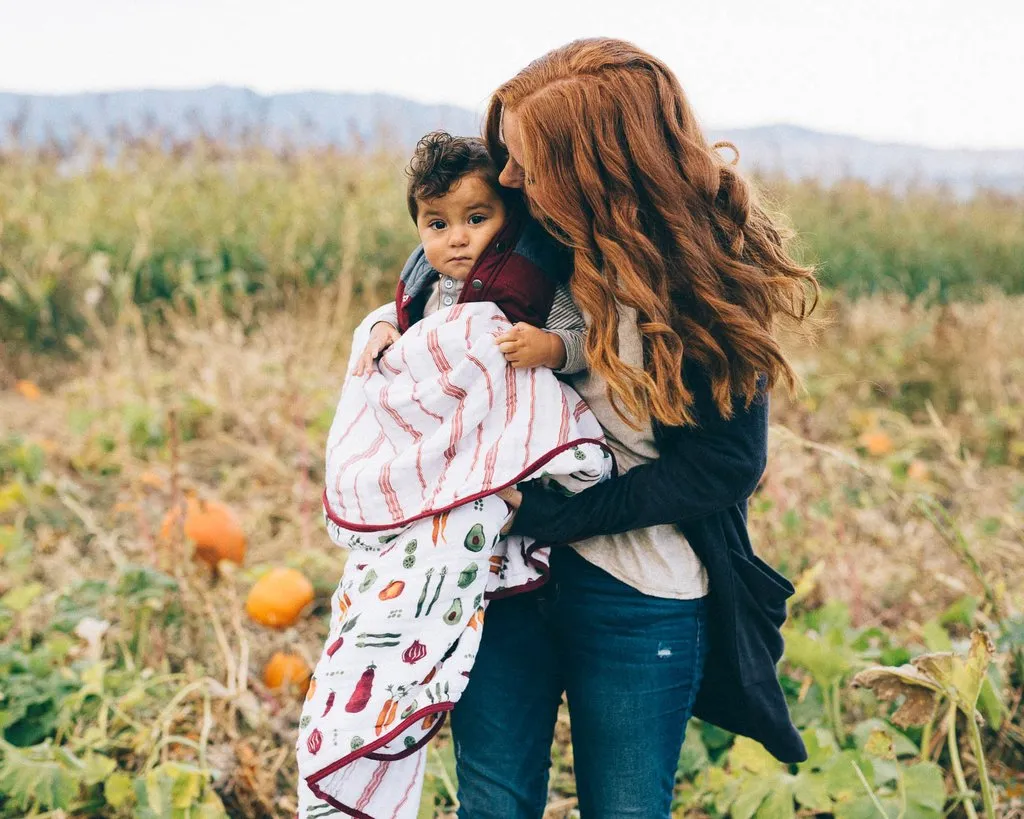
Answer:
(174, 324)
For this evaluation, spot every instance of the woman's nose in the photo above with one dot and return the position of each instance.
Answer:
(511, 176)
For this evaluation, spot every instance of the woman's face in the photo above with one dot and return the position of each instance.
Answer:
(512, 175)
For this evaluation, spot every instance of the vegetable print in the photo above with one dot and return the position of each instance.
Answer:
(414, 451)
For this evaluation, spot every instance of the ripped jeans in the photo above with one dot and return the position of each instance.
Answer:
(630, 665)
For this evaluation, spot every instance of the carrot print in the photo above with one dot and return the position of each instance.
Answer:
(333, 647)
(440, 522)
(387, 713)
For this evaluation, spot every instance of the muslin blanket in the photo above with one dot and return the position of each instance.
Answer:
(417, 449)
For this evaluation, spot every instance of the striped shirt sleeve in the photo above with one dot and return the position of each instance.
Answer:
(389, 313)
(566, 321)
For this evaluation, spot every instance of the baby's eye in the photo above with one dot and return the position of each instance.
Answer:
(477, 219)
(437, 224)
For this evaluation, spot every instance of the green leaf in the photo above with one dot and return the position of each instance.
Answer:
(936, 638)
(902, 745)
(863, 807)
(841, 777)
(779, 804)
(753, 791)
(990, 700)
(962, 612)
(37, 777)
(694, 756)
(827, 663)
(715, 738)
(21, 597)
(925, 787)
(748, 754)
(811, 791)
(821, 748)
(117, 790)
(186, 785)
(97, 768)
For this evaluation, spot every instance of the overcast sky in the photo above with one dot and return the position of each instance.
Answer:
(945, 73)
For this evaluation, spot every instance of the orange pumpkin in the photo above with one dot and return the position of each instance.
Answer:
(285, 669)
(278, 598)
(876, 442)
(28, 389)
(213, 528)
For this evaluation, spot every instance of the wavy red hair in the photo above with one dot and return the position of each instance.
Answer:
(617, 167)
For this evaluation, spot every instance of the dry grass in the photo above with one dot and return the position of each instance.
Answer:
(253, 398)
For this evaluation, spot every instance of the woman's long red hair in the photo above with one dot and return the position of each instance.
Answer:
(617, 167)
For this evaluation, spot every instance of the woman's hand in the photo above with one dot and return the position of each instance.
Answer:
(513, 497)
(382, 335)
(527, 346)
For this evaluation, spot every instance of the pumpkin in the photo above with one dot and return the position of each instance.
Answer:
(277, 598)
(28, 389)
(213, 528)
(876, 442)
(285, 669)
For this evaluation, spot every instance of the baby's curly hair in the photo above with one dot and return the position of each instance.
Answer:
(441, 160)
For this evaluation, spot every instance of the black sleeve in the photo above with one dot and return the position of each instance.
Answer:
(701, 470)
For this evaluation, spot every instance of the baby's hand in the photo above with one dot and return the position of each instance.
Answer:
(382, 335)
(527, 346)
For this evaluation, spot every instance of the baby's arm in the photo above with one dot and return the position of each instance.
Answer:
(558, 346)
(383, 334)
(567, 323)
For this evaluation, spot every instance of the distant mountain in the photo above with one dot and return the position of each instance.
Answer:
(348, 119)
(310, 117)
(802, 153)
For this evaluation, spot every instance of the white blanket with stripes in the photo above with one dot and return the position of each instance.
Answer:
(417, 449)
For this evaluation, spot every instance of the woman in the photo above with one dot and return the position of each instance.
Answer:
(658, 607)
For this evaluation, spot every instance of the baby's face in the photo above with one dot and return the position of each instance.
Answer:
(457, 227)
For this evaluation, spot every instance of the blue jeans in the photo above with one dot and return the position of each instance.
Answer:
(630, 666)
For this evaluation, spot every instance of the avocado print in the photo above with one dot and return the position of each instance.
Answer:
(454, 613)
(475, 538)
(368, 580)
(467, 576)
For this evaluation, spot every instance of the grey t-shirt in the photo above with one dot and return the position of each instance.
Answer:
(657, 560)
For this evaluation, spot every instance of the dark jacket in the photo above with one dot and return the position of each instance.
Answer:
(519, 270)
(701, 481)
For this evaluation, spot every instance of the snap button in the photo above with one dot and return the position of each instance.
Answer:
(477, 284)
(500, 246)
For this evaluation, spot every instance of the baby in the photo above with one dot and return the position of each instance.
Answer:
(449, 401)
(465, 221)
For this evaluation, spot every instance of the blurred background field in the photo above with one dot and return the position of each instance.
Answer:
(175, 324)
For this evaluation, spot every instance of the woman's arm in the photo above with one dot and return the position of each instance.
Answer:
(700, 471)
